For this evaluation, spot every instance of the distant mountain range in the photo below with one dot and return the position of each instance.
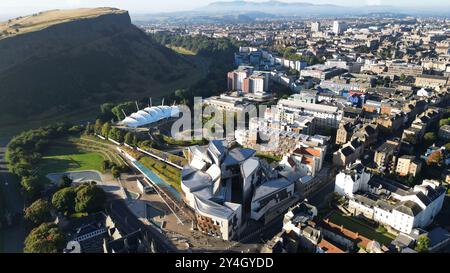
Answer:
(310, 9)
(269, 9)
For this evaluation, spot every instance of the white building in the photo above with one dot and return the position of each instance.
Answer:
(339, 27)
(390, 203)
(315, 26)
(424, 93)
(352, 180)
(326, 116)
(150, 115)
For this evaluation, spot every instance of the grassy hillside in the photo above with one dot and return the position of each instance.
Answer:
(79, 63)
(39, 21)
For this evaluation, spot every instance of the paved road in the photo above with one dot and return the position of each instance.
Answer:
(319, 197)
(14, 236)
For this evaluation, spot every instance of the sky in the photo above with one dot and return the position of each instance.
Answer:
(24, 7)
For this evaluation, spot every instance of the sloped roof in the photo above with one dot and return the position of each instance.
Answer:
(270, 187)
(238, 155)
(409, 208)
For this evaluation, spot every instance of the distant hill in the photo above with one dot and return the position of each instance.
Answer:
(59, 61)
(276, 7)
(302, 9)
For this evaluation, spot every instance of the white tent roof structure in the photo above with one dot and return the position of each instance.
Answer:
(150, 115)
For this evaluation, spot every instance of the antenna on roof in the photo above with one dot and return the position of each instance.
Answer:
(123, 111)
(137, 105)
(162, 104)
(150, 99)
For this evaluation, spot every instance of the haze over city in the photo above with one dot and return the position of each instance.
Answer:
(23, 7)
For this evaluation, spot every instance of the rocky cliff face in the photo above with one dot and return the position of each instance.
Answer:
(81, 61)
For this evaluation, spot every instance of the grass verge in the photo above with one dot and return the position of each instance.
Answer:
(362, 228)
(168, 173)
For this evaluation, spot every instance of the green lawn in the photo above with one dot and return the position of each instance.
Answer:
(362, 228)
(69, 158)
(269, 157)
(181, 50)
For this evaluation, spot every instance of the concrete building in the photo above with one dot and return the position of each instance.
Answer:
(321, 72)
(349, 153)
(408, 166)
(431, 81)
(386, 156)
(339, 27)
(227, 103)
(399, 69)
(326, 116)
(236, 78)
(305, 160)
(345, 131)
(258, 82)
(315, 26)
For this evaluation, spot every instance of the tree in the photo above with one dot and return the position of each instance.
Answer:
(66, 181)
(116, 135)
(423, 244)
(98, 126)
(64, 200)
(31, 186)
(37, 213)
(402, 78)
(129, 138)
(180, 94)
(106, 165)
(105, 129)
(430, 138)
(46, 238)
(90, 129)
(444, 122)
(106, 113)
(127, 107)
(89, 198)
(435, 158)
(447, 146)
(115, 171)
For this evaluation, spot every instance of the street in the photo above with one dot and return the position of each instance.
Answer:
(13, 236)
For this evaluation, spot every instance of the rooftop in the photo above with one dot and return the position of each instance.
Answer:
(270, 187)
